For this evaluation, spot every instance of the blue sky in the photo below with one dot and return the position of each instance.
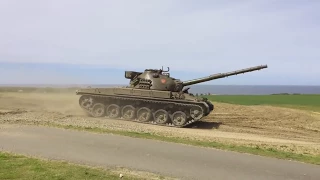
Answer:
(78, 41)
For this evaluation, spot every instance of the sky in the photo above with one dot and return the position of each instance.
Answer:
(94, 42)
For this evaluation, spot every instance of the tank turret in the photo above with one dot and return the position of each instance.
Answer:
(158, 79)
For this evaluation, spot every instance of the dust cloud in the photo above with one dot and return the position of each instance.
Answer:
(38, 100)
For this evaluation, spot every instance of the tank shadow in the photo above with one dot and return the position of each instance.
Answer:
(204, 125)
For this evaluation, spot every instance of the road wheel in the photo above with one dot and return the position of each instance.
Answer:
(179, 118)
(161, 116)
(128, 112)
(113, 111)
(144, 114)
(98, 110)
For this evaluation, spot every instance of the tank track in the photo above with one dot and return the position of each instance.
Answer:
(93, 101)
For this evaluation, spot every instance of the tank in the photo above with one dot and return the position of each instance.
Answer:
(152, 97)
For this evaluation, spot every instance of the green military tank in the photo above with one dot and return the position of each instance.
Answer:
(153, 97)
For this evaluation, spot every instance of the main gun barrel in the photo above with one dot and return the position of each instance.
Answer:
(222, 75)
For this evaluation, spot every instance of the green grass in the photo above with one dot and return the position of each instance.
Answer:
(270, 152)
(25, 168)
(307, 102)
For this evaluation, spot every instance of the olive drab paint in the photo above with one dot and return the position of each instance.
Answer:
(152, 97)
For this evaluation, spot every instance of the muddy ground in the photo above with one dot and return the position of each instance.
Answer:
(264, 126)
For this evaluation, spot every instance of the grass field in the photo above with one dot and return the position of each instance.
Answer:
(307, 102)
(25, 168)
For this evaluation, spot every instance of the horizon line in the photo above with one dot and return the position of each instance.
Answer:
(87, 84)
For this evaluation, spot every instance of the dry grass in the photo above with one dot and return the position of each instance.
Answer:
(270, 121)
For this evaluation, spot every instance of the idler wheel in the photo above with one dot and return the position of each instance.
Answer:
(161, 116)
(179, 118)
(128, 112)
(98, 110)
(144, 114)
(113, 111)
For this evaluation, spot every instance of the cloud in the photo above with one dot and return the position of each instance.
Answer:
(201, 36)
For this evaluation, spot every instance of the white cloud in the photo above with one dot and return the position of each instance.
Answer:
(205, 36)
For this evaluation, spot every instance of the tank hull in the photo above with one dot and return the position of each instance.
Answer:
(163, 108)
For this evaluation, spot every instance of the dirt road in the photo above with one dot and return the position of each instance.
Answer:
(264, 126)
(170, 159)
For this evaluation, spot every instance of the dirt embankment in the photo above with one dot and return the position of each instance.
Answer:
(266, 126)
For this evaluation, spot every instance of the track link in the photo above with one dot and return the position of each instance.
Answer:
(98, 105)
